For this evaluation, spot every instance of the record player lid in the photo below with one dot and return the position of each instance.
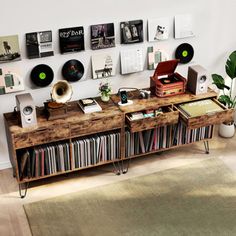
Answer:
(165, 67)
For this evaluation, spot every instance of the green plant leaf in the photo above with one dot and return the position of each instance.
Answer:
(219, 81)
(230, 66)
(225, 99)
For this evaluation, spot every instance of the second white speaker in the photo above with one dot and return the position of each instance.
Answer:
(197, 79)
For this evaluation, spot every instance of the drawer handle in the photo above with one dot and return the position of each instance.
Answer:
(39, 130)
(211, 113)
(96, 119)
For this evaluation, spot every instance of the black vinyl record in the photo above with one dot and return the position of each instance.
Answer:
(184, 53)
(42, 75)
(73, 70)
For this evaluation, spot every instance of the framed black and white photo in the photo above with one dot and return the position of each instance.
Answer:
(131, 31)
(102, 36)
(9, 48)
(39, 44)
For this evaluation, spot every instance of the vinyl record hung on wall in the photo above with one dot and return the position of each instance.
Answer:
(184, 53)
(73, 70)
(42, 75)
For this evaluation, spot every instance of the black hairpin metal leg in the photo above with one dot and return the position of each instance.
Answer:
(125, 169)
(206, 145)
(14, 172)
(22, 192)
(117, 168)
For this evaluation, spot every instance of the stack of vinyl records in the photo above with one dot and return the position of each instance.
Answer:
(46, 160)
(96, 149)
(164, 137)
(51, 159)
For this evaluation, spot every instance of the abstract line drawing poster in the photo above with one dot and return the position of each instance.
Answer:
(10, 81)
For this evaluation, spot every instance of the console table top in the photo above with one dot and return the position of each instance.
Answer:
(154, 101)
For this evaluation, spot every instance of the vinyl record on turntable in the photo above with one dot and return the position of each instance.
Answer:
(184, 53)
(42, 75)
(73, 70)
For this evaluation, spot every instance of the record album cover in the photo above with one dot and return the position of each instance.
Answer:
(9, 48)
(184, 26)
(102, 36)
(131, 61)
(10, 81)
(39, 44)
(131, 31)
(71, 39)
(156, 55)
(103, 65)
(158, 29)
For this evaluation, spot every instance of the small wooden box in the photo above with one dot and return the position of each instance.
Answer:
(166, 82)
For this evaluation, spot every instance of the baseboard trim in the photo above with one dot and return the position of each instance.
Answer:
(5, 165)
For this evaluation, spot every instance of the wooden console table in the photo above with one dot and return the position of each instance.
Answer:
(104, 137)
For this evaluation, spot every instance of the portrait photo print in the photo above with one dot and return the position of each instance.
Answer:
(9, 49)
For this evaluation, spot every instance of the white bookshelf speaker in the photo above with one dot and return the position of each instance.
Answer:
(197, 79)
(25, 106)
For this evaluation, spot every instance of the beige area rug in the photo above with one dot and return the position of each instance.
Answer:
(197, 199)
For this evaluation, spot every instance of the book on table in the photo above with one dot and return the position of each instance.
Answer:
(89, 105)
(199, 108)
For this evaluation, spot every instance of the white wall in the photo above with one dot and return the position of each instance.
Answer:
(215, 39)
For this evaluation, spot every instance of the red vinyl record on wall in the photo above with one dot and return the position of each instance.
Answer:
(73, 70)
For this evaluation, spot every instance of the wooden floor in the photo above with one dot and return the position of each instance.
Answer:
(13, 219)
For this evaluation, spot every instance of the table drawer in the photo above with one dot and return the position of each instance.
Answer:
(208, 119)
(49, 134)
(21, 141)
(170, 116)
(96, 125)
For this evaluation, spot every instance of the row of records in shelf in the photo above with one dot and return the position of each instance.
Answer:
(164, 137)
(55, 158)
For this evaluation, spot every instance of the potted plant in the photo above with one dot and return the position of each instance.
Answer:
(105, 91)
(227, 98)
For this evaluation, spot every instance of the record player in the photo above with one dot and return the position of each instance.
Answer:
(165, 81)
(56, 108)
